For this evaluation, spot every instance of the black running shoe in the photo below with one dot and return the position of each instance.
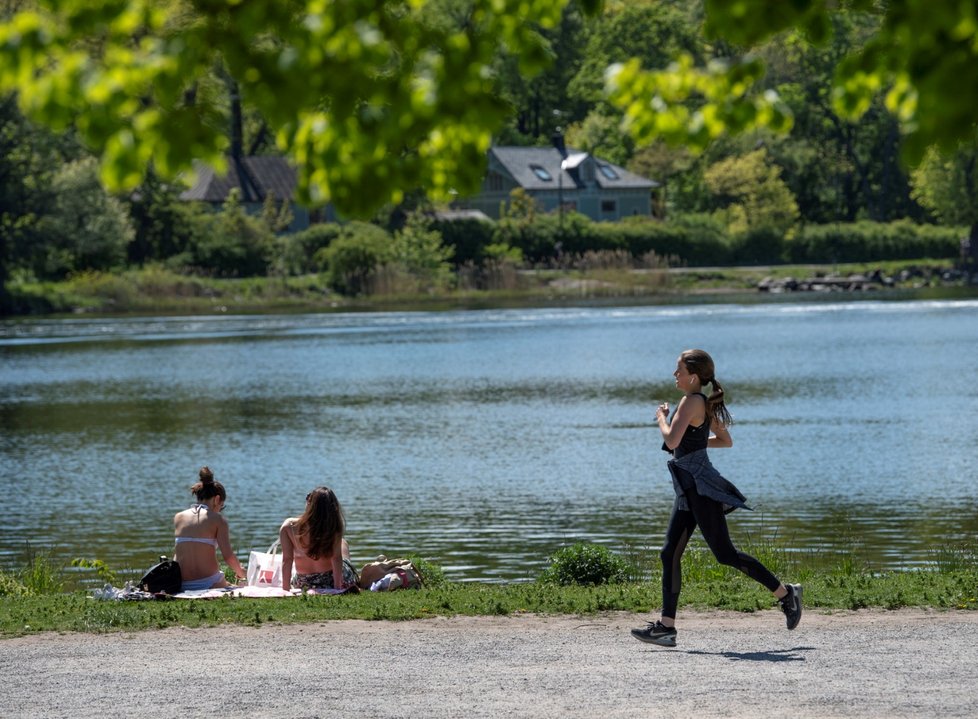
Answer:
(656, 633)
(791, 605)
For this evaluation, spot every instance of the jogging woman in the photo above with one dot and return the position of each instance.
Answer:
(703, 497)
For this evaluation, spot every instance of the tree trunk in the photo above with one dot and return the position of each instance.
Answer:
(261, 139)
(3, 274)
(237, 123)
(969, 250)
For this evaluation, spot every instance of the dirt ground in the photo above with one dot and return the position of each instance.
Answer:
(908, 663)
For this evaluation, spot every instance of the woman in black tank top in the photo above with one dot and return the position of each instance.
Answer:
(694, 438)
(702, 495)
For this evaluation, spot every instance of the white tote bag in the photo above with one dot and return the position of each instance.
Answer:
(265, 568)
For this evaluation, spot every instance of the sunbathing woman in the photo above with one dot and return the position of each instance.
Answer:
(199, 531)
(315, 543)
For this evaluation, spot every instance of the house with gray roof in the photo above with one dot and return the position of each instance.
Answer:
(255, 178)
(578, 181)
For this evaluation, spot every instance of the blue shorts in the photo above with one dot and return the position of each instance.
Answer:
(192, 585)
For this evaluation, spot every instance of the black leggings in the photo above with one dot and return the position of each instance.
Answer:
(708, 514)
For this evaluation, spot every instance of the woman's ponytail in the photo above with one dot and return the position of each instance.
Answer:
(700, 363)
(716, 409)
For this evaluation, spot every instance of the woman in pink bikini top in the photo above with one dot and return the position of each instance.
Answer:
(314, 542)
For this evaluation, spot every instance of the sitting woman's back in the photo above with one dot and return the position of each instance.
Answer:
(199, 531)
(314, 542)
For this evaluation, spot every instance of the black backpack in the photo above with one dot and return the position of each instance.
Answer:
(162, 577)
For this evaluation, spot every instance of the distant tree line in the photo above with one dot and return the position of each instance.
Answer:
(831, 189)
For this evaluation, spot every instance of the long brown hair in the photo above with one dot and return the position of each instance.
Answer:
(699, 363)
(207, 487)
(321, 524)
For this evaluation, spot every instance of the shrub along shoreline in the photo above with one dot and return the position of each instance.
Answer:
(595, 278)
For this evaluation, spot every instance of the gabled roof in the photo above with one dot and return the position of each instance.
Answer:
(255, 177)
(520, 163)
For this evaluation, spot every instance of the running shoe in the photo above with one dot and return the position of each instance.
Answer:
(656, 633)
(791, 605)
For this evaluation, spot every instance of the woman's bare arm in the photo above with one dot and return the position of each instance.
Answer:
(672, 433)
(337, 561)
(288, 555)
(224, 542)
(721, 435)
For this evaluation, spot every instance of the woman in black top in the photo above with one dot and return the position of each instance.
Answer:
(703, 497)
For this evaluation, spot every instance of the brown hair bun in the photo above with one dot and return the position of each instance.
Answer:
(206, 475)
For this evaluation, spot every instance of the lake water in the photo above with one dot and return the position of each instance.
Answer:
(485, 440)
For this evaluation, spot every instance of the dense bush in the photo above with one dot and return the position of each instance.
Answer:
(165, 225)
(759, 246)
(243, 252)
(873, 241)
(417, 251)
(468, 238)
(692, 243)
(587, 564)
(578, 234)
(295, 254)
(695, 243)
(351, 259)
(83, 227)
(695, 240)
(535, 241)
(233, 243)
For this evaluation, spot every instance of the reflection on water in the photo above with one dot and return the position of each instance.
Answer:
(485, 440)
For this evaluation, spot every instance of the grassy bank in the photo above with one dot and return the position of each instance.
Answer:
(951, 583)
(78, 613)
(154, 290)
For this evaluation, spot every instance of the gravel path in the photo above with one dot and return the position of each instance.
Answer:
(908, 663)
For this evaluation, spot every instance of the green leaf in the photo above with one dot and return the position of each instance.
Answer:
(368, 99)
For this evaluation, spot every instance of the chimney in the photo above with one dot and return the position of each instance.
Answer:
(558, 141)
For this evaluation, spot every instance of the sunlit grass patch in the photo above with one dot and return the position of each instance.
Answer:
(32, 597)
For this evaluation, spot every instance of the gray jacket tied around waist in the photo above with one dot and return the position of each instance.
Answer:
(707, 482)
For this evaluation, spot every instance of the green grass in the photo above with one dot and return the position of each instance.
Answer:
(79, 613)
(836, 583)
(40, 573)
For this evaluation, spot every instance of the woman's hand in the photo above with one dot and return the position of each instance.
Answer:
(662, 412)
